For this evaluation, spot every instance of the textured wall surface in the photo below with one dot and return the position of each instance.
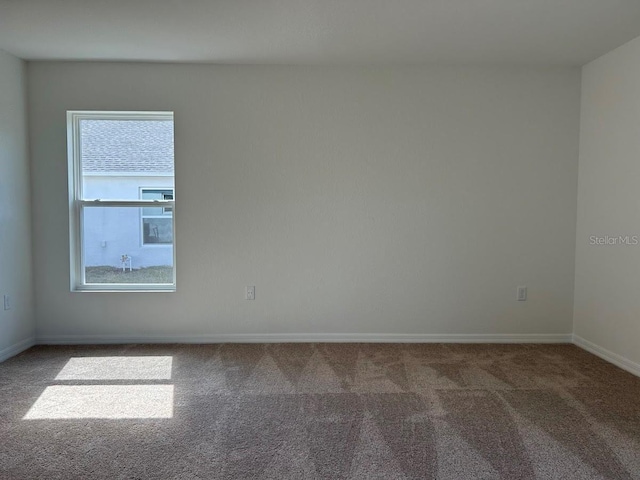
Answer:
(607, 275)
(17, 324)
(362, 200)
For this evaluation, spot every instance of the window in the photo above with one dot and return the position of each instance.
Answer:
(157, 221)
(122, 204)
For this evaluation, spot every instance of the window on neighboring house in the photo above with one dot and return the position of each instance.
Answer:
(121, 181)
(157, 222)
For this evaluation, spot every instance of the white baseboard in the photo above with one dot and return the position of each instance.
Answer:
(305, 337)
(16, 348)
(603, 353)
(607, 355)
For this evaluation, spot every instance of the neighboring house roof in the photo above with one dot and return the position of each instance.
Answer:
(127, 146)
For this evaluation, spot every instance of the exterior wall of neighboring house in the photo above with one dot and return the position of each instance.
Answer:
(110, 233)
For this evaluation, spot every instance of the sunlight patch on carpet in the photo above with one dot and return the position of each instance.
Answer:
(117, 368)
(103, 402)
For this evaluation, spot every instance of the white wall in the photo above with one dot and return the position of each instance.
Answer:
(607, 300)
(17, 325)
(363, 200)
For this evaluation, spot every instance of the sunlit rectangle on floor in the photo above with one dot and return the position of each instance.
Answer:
(117, 368)
(103, 401)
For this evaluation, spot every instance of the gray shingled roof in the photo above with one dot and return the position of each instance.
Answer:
(132, 146)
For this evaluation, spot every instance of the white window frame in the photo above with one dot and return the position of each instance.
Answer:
(77, 204)
(142, 217)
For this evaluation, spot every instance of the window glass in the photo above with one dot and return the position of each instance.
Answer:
(111, 247)
(120, 156)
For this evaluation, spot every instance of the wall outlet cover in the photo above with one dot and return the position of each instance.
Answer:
(250, 293)
(522, 294)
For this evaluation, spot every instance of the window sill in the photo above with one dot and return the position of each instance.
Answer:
(142, 289)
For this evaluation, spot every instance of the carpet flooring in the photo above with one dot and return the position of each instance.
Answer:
(317, 411)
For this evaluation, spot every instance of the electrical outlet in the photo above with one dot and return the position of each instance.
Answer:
(7, 302)
(522, 294)
(250, 293)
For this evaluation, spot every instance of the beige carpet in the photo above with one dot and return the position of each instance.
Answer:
(317, 411)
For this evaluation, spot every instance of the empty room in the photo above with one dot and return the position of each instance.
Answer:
(303, 239)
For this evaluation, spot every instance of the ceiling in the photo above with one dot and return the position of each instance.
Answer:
(523, 32)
